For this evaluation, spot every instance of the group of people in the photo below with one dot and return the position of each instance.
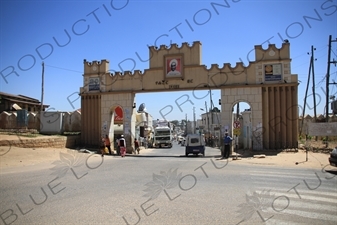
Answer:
(120, 146)
(212, 141)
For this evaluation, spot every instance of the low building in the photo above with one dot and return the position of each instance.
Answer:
(9, 102)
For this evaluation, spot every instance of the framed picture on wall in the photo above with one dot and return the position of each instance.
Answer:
(173, 66)
(273, 72)
(94, 84)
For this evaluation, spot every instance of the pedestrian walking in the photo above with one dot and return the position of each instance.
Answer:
(212, 141)
(117, 146)
(102, 146)
(122, 145)
(136, 145)
(145, 143)
(107, 143)
(216, 141)
(227, 143)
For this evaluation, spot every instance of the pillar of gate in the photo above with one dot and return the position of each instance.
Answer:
(127, 102)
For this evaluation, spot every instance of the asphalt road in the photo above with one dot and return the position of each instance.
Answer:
(162, 186)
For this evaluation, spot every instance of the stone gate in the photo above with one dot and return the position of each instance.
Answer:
(266, 84)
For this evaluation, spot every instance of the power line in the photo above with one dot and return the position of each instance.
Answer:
(63, 68)
(333, 52)
(320, 83)
(307, 53)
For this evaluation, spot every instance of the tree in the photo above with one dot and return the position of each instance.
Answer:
(183, 122)
(215, 109)
(175, 122)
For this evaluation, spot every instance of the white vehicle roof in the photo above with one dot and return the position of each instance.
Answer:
(200, 140)
(162, 128)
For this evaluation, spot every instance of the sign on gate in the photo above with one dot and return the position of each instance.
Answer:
(236, 124)
(322, 129)
(237, 131)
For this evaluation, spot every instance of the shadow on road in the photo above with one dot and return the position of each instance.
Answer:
(171, 156)
(249, 153)
(331, 171)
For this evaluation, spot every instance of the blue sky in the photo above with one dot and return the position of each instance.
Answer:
(35, 31)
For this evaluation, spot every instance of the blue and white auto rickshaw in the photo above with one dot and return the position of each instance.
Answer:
(194, 144)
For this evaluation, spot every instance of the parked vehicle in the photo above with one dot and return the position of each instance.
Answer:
(195, 144)
(180, 139)
(333, 157)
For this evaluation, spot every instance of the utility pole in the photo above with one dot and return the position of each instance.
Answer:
(306, 94)
(42, 92)
(313, 82)
(237, 111)
(211, 109)
(327, 84)
(236, 136)
(207, 119)
(194, 123)
(186, 124)
(313, 79)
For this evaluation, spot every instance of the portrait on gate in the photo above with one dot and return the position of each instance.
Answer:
(173, 67)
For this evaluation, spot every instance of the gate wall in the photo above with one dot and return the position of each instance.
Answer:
(91, 117)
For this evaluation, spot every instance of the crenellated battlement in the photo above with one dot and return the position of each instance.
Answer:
(127, 73)
(191, 53)
(95, 66)
(272, 46)
(174, 46)
(227, 67)
(272, 52)
(191, 70)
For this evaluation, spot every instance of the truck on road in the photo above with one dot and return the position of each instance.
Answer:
(162, 137)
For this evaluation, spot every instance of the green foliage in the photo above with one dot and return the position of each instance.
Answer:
(175, 122)
(215, 109)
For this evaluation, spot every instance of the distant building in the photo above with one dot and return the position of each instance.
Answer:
(9, 102)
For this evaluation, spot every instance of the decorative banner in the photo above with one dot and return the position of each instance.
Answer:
(118, 118)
